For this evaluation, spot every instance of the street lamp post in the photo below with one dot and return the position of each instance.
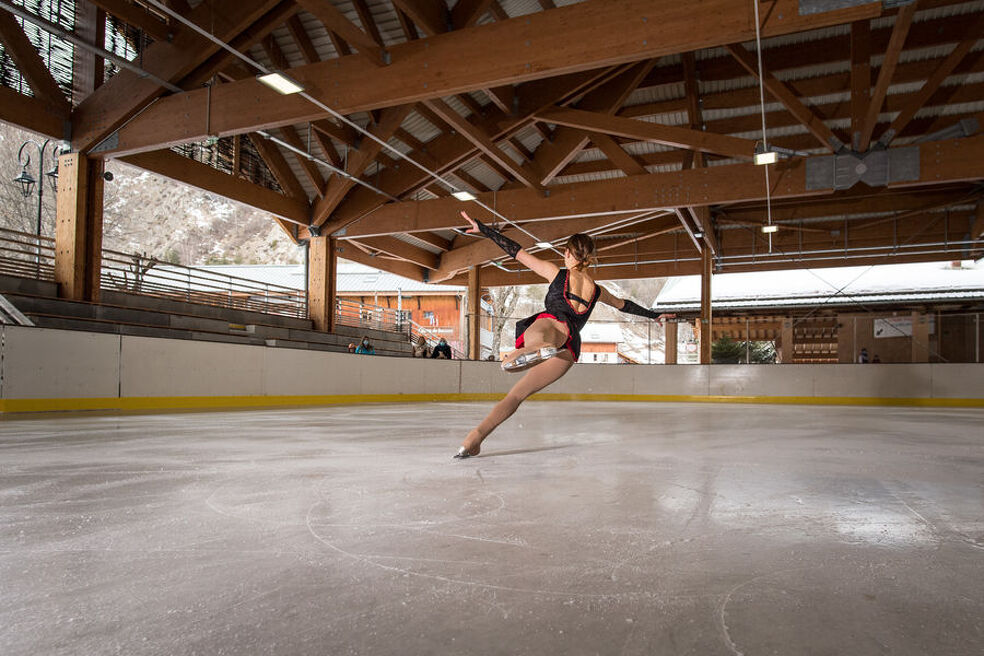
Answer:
(28, 183)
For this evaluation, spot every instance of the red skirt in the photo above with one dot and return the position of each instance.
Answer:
(569, 345)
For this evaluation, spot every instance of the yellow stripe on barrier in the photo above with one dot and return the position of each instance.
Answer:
(234, 402)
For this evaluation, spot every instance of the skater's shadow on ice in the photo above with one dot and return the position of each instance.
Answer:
(515, 452)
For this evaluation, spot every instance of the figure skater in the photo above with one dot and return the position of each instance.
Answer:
(547, 343)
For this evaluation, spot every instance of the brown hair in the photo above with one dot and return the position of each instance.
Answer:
(582, 248)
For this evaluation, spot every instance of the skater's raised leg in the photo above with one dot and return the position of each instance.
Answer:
(542, 334)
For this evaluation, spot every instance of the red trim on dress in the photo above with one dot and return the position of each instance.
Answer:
(567, 279)
(521, 340)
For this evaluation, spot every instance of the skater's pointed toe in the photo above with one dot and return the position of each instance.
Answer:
(463, 453)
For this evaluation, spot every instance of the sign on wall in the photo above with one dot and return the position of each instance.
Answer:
(899, 326)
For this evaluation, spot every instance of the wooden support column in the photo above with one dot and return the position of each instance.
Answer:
(78, 227)
(706, 332)
(920, 337)
(670, 346)
(474, 314)
(322, 279)
(786, 354)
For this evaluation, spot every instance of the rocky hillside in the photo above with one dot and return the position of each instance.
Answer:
(144, 212)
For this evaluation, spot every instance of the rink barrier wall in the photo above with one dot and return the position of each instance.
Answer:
(45, 369)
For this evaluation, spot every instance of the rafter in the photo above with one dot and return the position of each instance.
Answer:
(576, 37)
(358, 161)
(30, 65)
(781, 92)
(174, 166)
(482, 141)
(935, 80)
(941, 162)
(903, 20)
(368, 22)
(310, 169)
(302, 39)
(335, 21)
(860, 77)
(676, 137)
(275, 161)
(396, 248)
(32, 114)
(563, 146)
(694, 114)
(467, 12)
(430, 15)
(127, 93)
(616, 154)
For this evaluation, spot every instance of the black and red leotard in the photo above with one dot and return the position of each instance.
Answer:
(559, 308)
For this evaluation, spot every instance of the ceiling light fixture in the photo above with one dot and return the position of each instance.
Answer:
(543, 244)
(464, 196)
(769, 229)
(770, 157)
(280, 83)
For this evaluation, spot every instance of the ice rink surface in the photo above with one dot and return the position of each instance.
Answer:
(584, 528)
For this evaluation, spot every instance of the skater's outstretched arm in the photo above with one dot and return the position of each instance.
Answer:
(542, 268)
(629, 307)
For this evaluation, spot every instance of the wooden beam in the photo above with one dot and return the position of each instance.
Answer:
(781, 92)
(401, 249)
(684, 217)
(578, 37)
(477, 251)
(322, 282)
(482, 141)
(174, 166)
(701, 215)
(706, 316)
(434, 240)
(29, 63)
(303, 41)
(903, 20)
(310, 169)
(860, 80)
(88, 69)
(430, 15)
(474, 314)
(351, 252)
(933, 83)
(126, 93)
(274, 159)
(135, 15)
(467, 12)
(977, 229)
(941, 162)
(33, 114)
(368, 22)
(78, 230)
(358, 162)
(675, 137)
(336, 22)
(616, 154)
(694, 113)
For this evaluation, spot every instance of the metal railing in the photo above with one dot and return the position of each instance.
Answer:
(355, 314)
(147, 276)
(27, 255)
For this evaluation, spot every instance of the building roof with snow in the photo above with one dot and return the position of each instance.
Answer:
(932, 282)
(601, 333)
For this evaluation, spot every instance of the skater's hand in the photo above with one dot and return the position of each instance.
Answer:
(473, 230)
(663, 317)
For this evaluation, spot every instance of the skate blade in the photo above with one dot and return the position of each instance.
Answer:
(462, 454)
(528, 360)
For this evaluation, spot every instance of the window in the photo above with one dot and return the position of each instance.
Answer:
(430, 318)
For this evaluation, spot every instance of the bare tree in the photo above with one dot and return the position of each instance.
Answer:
(504, 300)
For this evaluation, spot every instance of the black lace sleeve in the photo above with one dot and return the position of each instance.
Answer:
(638, 310)
(504, 242)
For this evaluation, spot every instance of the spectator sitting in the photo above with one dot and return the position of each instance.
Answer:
(876, 359)
(351, 348)
(491, 358)
(366, 347)
(420, 348)
(442, 350)
(863, 356)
